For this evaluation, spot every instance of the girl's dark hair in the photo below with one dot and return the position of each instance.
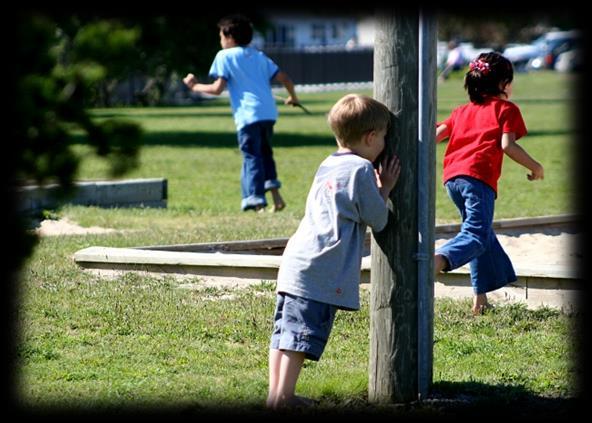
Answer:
(239, 27)
(487, 76)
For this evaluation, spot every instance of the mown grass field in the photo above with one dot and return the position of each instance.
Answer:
(139, 341)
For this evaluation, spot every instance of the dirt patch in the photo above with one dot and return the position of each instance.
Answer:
(65, 226)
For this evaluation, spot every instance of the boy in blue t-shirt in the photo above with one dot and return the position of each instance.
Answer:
(248, 73)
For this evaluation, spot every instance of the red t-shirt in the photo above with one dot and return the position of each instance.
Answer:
(475, 142)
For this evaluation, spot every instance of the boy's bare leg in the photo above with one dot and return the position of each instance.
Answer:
(275, 357)
(278, 201)
(290, 366)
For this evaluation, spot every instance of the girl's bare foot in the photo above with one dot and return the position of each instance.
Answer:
(482, 309)
(480, 304)
(440, 263)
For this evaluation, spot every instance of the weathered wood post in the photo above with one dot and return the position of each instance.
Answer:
(401, 303)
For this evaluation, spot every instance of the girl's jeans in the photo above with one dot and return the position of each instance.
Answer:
(258, 173)
(476, 242)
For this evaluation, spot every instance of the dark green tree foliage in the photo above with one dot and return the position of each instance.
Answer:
(168, 47)
(54, 77)
(174, 45)
(183, 42)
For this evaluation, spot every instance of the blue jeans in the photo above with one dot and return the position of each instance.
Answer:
(258, 173)
(476, 242)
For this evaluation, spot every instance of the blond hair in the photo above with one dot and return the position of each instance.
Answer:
(355, 115)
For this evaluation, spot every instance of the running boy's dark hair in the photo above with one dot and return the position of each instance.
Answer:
(237, 26)
(487, 76)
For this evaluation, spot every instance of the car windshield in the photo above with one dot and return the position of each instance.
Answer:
(539, 43)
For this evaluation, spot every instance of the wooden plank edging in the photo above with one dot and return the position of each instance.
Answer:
(105, 255)
(274, 243)
(178, 258)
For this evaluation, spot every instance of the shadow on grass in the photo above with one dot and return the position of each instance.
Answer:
(551, 133)
(221, 109)
(474, 400)
(557, 100)
(481, 399)
(448, 400)
(220, 139)
(285, 112)
(186, 114)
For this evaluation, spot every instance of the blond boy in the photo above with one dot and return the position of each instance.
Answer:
(320, 269)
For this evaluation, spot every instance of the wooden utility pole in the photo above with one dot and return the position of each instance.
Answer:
(401, 304)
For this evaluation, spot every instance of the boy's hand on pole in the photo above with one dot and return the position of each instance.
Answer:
(389, 171)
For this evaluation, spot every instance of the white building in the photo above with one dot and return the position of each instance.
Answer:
(306, 31)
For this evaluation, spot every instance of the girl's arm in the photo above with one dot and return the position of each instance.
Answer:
(442, 132)
(215, 88)
(520, 156)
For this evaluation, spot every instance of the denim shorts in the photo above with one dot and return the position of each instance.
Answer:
(301, 325)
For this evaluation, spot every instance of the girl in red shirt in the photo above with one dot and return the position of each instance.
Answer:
(480, 133)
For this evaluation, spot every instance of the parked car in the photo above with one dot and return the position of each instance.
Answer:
(520, 55)
(570, 61)
(551, 45)
(543, 51)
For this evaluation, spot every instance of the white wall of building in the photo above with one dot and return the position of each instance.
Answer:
(307, 30)
(366, 28)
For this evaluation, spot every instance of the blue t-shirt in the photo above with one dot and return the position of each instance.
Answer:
(322, 260)
(248, 73)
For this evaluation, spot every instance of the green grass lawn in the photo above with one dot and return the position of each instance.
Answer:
(146, 341)
(195, 149)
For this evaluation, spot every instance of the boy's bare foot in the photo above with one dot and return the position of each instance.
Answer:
(305, 402)
(278, 201)
(277, 207)
(297, 402)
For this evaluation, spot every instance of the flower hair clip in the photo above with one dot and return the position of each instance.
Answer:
(480, 65)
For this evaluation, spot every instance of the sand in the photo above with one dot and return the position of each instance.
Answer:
(548, 246)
